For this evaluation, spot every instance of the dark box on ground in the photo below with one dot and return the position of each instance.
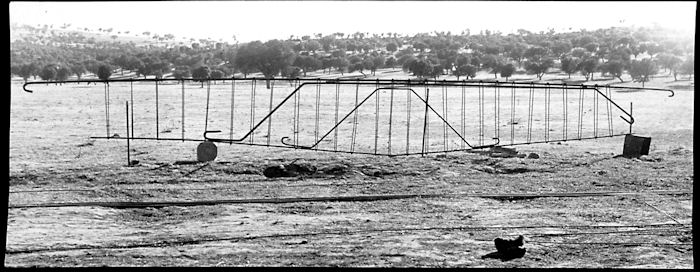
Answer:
(636, 146)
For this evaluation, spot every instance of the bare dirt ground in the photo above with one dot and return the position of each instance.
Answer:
(454, 225)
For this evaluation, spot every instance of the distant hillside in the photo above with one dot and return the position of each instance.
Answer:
(31, 33)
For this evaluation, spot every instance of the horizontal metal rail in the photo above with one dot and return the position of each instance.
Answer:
(407, 82)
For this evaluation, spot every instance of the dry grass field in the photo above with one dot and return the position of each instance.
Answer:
(643, 220)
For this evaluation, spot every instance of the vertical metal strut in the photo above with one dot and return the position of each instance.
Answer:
(391, 114)
(297, 99)
(252, 109)
(107, 108)
(376, 118)
(512, 113)
(580, 112)
(335, 133)
(463, 115)
(132, 107)
(128, 144)
(564, 100)
(206, 115)
(531, 100)
(269, 120)
(425, 121)
(318, 105)
(546, 112)
(233, 108)
(157, 120)
(354, 120)
(444, 114)
(595, 112)
(496, 110)
(408, 118)
(481, 127)
(182, 122)
(610, 122)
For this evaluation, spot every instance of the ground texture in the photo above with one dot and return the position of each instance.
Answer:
(446, 211)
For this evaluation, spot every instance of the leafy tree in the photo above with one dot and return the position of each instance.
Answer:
(340, 64)
(275, 57)
(419, 67)
(622, 54)
(307, 63)
(507, 70)
(182, 72)
(640, 71)
(402, 60)
(614, 68)
(78, 69)
(535, 53)
(26, 70)
(688, 67)
(390, 62)
(391, 47)
(48, 72)
(376, 63)
(248, 56)
(464, 69)
(579, 53)
(326, 42)
(569, 65)
(63, 73)
(588, 66)
(420, 46)
(104, 71)
(516, 52)
(202, 73)
(494, 62)
(436, 71)
(312, 46)
(669, 61)
(539, 67)
(559, 48)
(592, 47)
(122, 61)
(356, 63)
(216, 74)
(291, 72)
(327, 63)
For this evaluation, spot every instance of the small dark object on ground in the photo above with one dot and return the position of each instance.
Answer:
(206, 151)
(336, 170)
(533, 156)
(275, 171)
(300, 168)
(507, 249)
(134, 162)
(185, 162)
(635, 146)
(290, 170)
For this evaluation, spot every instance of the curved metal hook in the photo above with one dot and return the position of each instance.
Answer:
(672, 93)
(293, 145)
(25, 87)
(631, 121)
(212, 139)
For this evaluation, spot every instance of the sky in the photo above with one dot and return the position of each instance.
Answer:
(264, 20)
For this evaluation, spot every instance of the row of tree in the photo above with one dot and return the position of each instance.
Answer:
(610, 52)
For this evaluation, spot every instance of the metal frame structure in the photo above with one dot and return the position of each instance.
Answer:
(325, 103)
